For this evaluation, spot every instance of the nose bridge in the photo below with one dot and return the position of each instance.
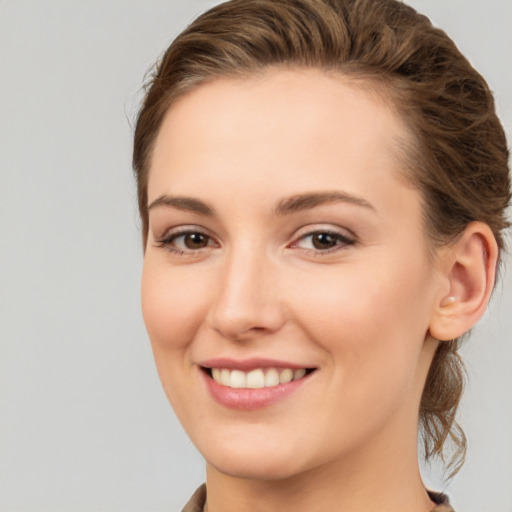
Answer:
(246, 302)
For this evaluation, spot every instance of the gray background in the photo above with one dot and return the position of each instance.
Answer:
(84, 424)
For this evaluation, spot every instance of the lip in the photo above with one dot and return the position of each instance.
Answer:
(246, 365)
(246, 399)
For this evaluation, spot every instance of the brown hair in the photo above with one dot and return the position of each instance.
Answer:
(459, 157)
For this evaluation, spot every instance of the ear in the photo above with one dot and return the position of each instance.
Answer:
(468, 269)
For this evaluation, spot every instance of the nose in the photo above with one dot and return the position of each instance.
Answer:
(247, 302)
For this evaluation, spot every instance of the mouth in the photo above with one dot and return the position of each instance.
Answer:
(256, 378)
(253, 384)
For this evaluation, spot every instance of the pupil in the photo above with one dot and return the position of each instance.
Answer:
(195, 241)
(324, 241)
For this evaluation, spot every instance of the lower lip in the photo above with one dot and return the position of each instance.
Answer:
(247, 399)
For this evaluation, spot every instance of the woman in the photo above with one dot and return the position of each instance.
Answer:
(322, 186)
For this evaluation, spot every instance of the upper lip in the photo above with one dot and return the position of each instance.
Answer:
(250, 364)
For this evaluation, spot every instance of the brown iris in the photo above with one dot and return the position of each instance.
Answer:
(324, 241)
(195, 241)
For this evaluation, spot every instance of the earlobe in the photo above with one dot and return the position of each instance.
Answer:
(469, 268)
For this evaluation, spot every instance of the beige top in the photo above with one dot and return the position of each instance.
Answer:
(198, 500)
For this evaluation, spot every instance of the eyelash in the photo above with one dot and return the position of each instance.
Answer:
(341, 242)
(167, 242)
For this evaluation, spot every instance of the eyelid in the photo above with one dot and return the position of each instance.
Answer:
(182, 228)
(166, 240)
(325, 228)
(347, 238)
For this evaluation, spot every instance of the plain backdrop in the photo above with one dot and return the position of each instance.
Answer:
(84, 424)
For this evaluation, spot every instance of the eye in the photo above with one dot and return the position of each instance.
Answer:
(187, 241)
(192, 241)
(323, 242)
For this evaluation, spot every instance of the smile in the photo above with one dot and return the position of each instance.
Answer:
(257, 378)
(252, 384)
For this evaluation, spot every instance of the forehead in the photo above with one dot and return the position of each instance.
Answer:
(301, 120)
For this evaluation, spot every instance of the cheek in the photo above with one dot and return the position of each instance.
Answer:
(378, 291)
(371, 320)
(345, 304)
(374, 342)
(171, 306)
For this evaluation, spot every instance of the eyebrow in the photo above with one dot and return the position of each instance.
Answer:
(286, 206)
(188, 204)
(311, 200)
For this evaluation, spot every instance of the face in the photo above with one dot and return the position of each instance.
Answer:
(287, 287)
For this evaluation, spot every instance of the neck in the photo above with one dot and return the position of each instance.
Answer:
(385, 483)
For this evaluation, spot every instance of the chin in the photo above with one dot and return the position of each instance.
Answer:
(254, 461)
(259, 468)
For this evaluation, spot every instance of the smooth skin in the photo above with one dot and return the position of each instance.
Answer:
(343, 281)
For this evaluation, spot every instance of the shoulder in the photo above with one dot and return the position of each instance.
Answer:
(442, 502)
(197, 501)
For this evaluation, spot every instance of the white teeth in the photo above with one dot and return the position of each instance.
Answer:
(238, 379)
(286, 376)
(257, 378)
(298, 374)
(225, 377)
(271, 378)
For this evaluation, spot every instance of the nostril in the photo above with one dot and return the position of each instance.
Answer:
(257, 330)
